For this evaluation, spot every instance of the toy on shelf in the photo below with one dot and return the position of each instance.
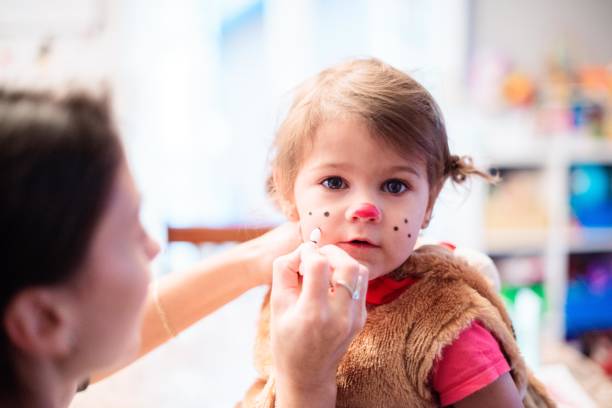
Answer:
(577, 100)
(563, 98)
(589, 294)
(518, 89)
(523, 291)
(591, 195)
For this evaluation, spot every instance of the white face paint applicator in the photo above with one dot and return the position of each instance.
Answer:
(315, 236)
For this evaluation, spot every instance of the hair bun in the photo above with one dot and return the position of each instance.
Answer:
(458, 167)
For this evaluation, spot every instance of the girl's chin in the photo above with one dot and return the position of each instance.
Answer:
(361, 252)
(375, 274)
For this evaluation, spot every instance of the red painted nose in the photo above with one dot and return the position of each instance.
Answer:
(368, 211)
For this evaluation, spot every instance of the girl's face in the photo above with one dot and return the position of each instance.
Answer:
(111, 290)
(364, 196)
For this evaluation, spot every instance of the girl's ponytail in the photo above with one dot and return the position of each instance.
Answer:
(459, 168)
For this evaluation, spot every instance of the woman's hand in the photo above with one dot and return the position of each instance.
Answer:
(221, 277)
(265, 249)
(311, 324)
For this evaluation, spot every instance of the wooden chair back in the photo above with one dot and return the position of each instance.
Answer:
(208, 235)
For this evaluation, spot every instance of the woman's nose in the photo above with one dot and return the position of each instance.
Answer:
(152, 247)
(364, 212)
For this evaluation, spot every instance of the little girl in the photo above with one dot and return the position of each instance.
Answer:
(362, 156)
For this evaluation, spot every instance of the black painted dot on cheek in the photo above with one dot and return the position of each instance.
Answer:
(395, 228)
(405, 220)
(309, 212)
(326, 213)
(409, 235)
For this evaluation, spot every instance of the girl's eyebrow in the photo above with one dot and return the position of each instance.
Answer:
(330, 165)
(392, 169)
(405, 168)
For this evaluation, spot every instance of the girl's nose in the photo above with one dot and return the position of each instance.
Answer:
(364, 212)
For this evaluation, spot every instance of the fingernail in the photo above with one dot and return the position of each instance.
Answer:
(308, 246)
(357, 293)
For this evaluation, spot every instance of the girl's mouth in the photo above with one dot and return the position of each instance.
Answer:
(360, 243)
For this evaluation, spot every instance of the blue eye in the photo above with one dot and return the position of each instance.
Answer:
(394, 186)
(334, 183)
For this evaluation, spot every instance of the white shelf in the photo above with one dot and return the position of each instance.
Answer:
(535, 241)
(515, 146)
(590, 240)
(515, 241)
(588, 149)
(534, 153)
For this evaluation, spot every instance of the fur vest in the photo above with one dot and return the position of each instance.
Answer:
(389, 363)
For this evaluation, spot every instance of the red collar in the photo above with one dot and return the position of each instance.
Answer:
(384, 289)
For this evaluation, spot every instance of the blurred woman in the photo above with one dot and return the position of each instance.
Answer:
(74, 287)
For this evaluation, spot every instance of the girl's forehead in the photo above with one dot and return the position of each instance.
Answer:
(353, 129)
(382, 162)
(346, 145)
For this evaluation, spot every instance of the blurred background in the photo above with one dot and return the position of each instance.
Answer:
(199, 87)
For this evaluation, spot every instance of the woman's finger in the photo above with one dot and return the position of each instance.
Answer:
(362, 311)
(356, 307)
(285, 282)
(347, 269)
(316, 270)
(346, 278)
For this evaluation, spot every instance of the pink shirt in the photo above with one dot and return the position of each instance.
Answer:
(469, 364)
(473, 361)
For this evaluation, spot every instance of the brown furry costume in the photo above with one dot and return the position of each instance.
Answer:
(389, 362)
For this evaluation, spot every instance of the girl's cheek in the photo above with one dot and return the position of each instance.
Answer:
(404, 230)
(312, 218)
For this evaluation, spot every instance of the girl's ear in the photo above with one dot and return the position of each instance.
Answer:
(287, 206)
(427, 217)
(426, 221)
(430, 205)
(289, 210)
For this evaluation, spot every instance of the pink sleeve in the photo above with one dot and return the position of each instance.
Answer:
(469, 364)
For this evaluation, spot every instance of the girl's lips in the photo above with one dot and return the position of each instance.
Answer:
(360, 250)
(358, 244)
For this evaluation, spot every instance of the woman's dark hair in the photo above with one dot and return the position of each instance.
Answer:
(59, 156)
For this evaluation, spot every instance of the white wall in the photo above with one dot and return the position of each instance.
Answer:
(528, 30)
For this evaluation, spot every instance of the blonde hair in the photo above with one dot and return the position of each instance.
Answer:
(394, 106)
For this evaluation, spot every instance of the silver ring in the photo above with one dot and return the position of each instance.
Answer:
(354, 293)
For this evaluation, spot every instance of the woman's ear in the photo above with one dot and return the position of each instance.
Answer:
(38, 322)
